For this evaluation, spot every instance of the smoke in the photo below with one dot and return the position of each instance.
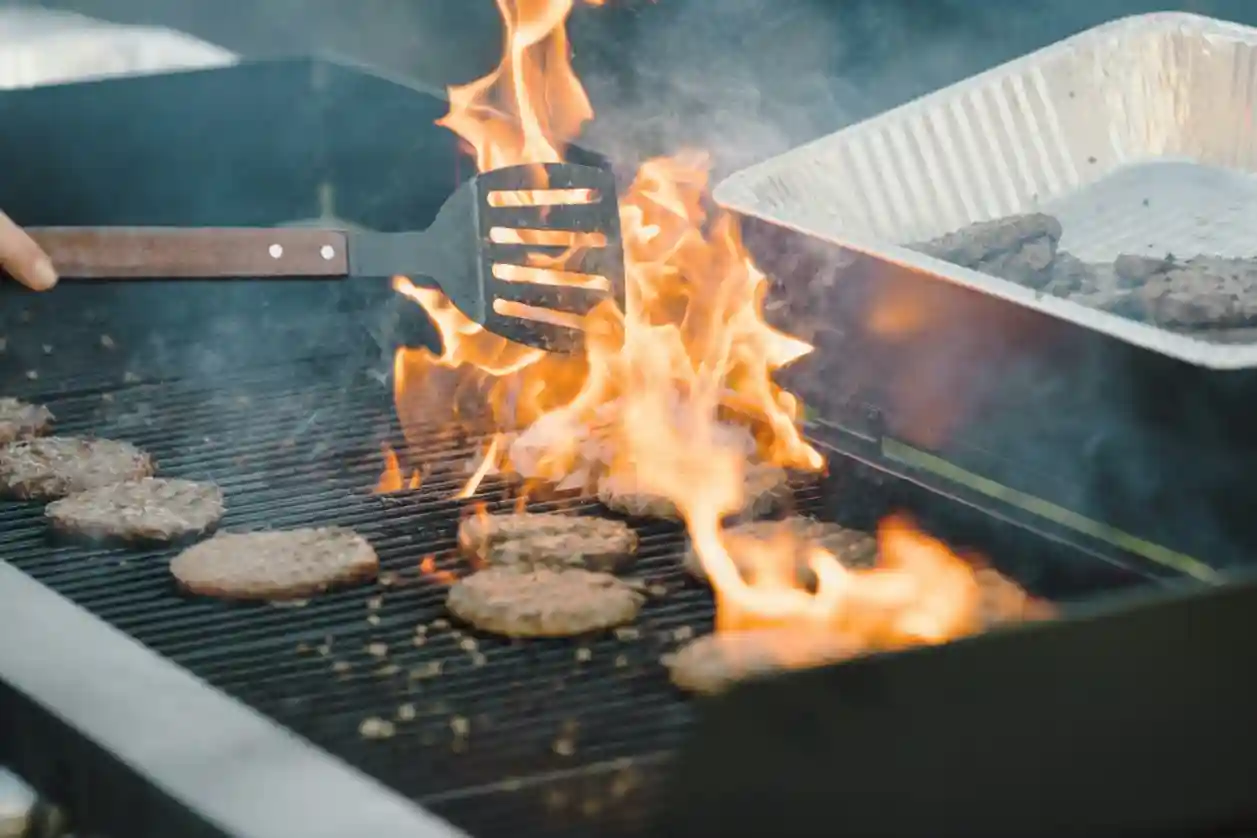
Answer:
(747, 79)
(754, 78)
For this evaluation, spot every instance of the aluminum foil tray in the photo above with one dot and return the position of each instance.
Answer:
(1138, 135)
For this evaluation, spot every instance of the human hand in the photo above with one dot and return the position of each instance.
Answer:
(23, 259)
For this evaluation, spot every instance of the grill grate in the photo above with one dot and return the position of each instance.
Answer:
(292, 449)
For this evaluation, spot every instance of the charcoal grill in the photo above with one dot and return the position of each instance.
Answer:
(147, 713)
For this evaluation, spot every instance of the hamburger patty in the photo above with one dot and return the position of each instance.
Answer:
(851, 547)
(19, 420)
(548, 540)
(148, 509)
(284, 564)
(715, 662)
(765, 489)
(541, 602)
(56, 466)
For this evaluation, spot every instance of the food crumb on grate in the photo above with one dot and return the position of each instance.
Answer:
(107, 342)
(130, 377)
(406, 713)
(625, 781)
(621, 661)
(627, 633)
(376, 728)
(467, 644)
(419, 640)
(683, 634)
(565, 744)
(303, 648)
(388, 579)
(373, 619)
(460, 725)
(324, 649)
(47, 347)
(421, 629)
(478, 659)
(428, 670)
(658, 591)
(388, 670)
(32, 375)
(341, 667)
(290, 603)
(584, 653)
(440, 624)
(374, 603)
(378, 650)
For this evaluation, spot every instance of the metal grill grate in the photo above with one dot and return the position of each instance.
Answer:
(292, 449)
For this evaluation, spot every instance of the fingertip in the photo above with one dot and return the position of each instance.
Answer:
(43, 275)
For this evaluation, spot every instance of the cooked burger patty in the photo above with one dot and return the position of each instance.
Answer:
(851, 547)
(19, 420)
(56, 466)
(765, 489)
(548, 540)
(284, 564)
(148, 509)
(541, 602)
(715, 662)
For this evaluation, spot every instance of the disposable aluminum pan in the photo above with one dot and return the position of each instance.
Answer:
(1138, 135)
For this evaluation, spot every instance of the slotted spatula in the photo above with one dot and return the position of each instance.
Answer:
(471, 236)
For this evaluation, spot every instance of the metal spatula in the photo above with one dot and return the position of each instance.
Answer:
(472, 242)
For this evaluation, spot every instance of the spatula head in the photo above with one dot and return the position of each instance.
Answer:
(550, 250)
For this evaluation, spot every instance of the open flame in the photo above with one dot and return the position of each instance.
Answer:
(675, 393)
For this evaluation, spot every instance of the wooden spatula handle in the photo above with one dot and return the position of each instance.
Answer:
(188, 253)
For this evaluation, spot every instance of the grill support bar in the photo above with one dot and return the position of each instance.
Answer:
(190, 756)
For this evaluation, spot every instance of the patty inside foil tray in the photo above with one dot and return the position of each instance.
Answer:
(1193, 293)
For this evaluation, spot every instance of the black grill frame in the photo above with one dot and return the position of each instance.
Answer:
(369, 142)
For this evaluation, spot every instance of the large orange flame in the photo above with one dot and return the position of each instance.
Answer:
(675, 393)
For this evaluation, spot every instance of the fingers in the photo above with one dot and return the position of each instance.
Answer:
(23, 259)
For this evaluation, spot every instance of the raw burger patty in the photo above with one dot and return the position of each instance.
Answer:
(56, 466)
(149, 509)
(284, 564)
(852, 547)
(715, 662)
(548, 540)
(540, 602)
(1020, 248)
(765, 487)
(19, 420)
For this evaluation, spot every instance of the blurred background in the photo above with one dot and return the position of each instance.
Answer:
(744, 78)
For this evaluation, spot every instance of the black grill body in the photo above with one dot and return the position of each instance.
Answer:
(276, 392)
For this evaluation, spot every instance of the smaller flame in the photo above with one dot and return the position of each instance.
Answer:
(489, 462)
(392, 480)
(429, 569)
